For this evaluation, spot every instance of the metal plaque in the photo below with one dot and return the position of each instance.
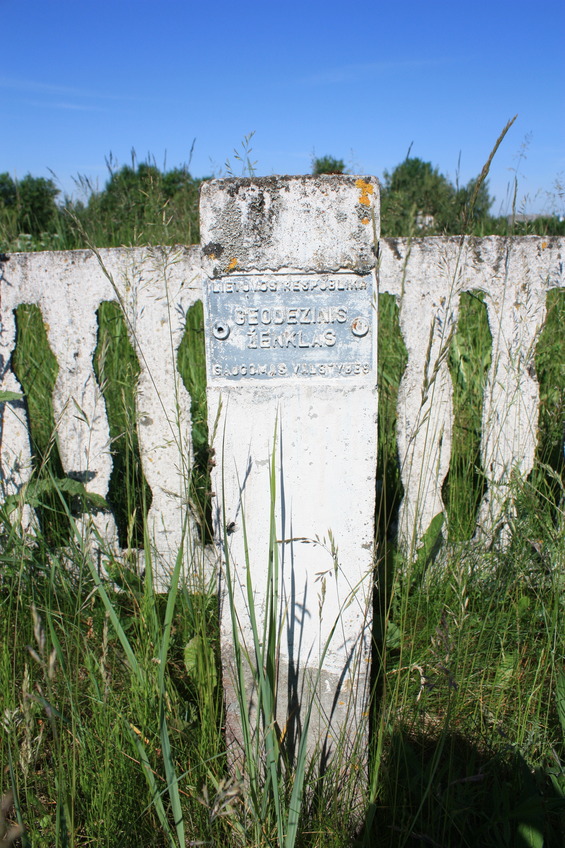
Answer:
(281, 326)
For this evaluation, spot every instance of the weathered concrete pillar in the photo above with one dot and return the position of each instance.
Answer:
(515, 275)
(291, 349)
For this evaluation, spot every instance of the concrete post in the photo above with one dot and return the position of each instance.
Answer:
(291, 349)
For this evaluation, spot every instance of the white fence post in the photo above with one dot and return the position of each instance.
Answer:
(291, 332)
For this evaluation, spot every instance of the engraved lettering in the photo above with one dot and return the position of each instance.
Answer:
(281, 318)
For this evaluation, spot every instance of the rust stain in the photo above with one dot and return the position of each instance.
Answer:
(366, 190)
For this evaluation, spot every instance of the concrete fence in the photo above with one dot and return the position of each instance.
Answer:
(290, 271)
(155, 288)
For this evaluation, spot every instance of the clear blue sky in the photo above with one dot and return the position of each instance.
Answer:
(357, 80)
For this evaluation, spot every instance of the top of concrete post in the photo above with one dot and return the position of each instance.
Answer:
(308, 224)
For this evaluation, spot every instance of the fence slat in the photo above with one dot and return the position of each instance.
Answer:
(15, 452)
(515, 275)
(157, 289)
(427, 276)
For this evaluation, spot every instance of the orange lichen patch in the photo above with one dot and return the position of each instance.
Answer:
(364, 220)
(366, 190)
(543, 245)
(233, 263)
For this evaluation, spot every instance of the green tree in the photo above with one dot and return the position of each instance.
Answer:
(29, 203)
(328, 165)
(474, 205)
(8, 193)
(8, 211)
(141, 204)
(37, 210)
(182, 195)
(131, 197)
(417, 199)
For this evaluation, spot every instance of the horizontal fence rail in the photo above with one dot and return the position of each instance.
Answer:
(155, 289)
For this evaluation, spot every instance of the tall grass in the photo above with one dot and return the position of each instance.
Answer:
(121, 687)
(469, 653)
(112, 725)
(101, 718)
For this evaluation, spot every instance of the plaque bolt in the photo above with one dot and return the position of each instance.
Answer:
(221, 330)
(360, 326)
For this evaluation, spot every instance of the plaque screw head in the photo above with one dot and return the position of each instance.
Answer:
(360, 326)
(221, 330)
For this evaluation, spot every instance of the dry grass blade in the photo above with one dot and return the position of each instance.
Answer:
(486, 167)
